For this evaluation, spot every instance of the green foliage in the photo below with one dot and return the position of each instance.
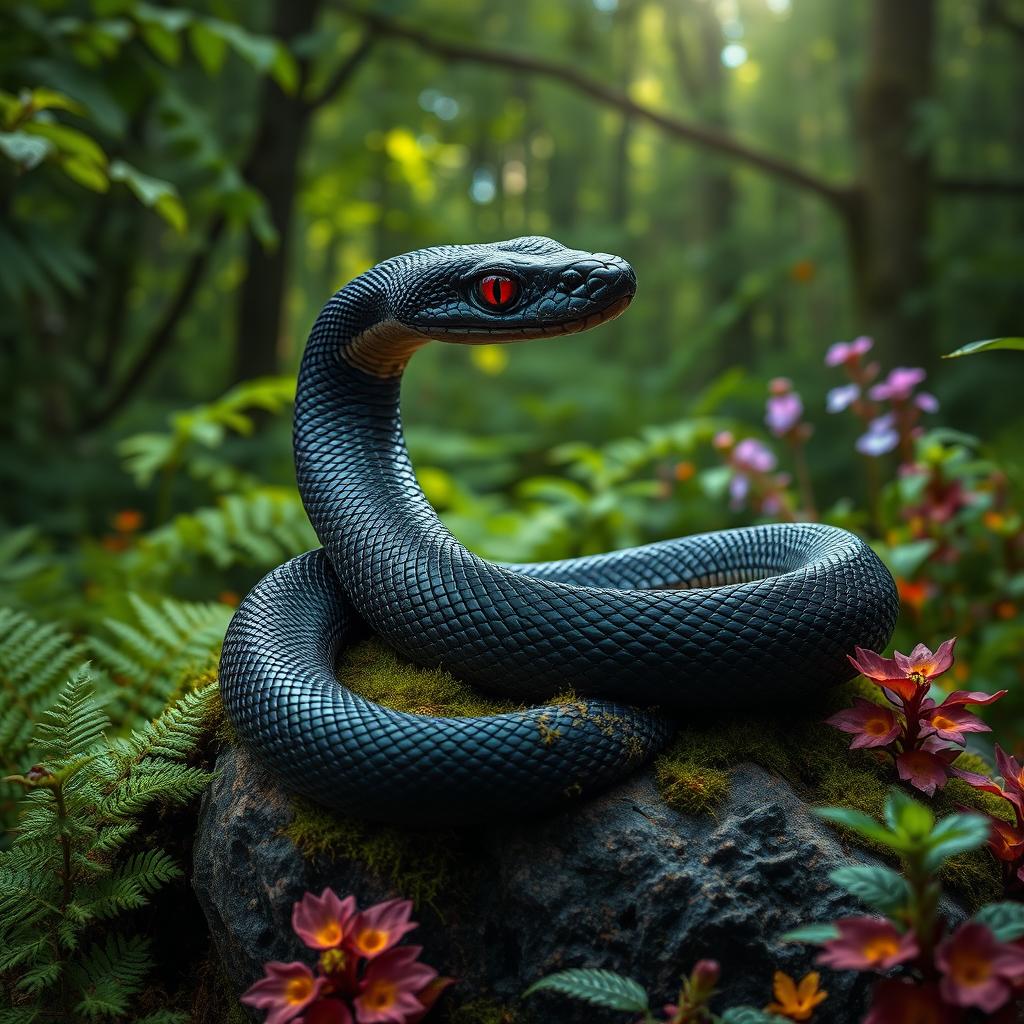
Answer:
(989, 345)
(80, 862)
(597, 987)
(879, 887)
(1006, 920)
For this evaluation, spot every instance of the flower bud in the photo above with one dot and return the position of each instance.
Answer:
(704, 977)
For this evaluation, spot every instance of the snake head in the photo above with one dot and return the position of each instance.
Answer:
(532, 287)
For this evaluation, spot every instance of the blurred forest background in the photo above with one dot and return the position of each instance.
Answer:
(183, 185)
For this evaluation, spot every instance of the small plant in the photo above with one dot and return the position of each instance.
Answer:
(616, 992)
(361, 975)
(922, 737)
(77, 862)
(940, 972)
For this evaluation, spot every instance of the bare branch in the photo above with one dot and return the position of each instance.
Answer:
(983, 187)
(699, 135)
(344, 73)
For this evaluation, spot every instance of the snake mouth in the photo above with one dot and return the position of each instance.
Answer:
(507, 334)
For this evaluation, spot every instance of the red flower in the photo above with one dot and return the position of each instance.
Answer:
(326, 1011)
(392, 982)
(904, 1002)
(950, 722)
(926, 770)
(285, 990)
(905, 674)
(868, 944)
(871, 724)
(322, 922)
(977, 969)
(378, 928)
(1005, 841)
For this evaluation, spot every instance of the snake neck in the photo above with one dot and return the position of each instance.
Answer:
(350, 452)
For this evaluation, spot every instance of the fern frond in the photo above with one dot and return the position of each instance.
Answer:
(20, 1015)
(73, 725)
(40, 978)
(110, 974)
(151, 782)
(179, 730)
(148, 658)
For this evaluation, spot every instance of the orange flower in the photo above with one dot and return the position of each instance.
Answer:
(128, 520)
(228, 597)
(913, 592)
(803, 271)
(797, 1002)
(1006, 610)
(684, 471)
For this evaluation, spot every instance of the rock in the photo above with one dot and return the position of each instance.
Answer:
(621, 882)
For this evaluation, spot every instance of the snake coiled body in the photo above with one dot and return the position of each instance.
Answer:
(726, 620)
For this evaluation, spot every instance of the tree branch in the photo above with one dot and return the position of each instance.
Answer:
(344, 73)
(163, 334)
(699, 135)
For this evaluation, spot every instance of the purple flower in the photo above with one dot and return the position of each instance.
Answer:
(926, 402)
(881, 436)
(899, 385)
(739, 487)
(842, 397)
(750, 455)
(783, 412)
(847, 351)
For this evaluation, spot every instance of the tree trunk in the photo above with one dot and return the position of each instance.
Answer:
(272, 170)
(889, 219)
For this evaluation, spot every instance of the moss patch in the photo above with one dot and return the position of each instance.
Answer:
(483, 1011)
(692, 776)
(419, 865)
(374, 671)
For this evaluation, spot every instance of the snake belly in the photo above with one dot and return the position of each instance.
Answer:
(726, 620)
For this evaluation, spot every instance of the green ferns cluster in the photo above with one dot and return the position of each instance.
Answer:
(81, 860)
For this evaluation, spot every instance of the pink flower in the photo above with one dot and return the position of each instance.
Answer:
(880, 438)
(926, 401)
(902, 1001)
(847, 351)
(752, 456)
(926, 770)
(285, 990)
(322, 921)
(899, 385)
(868, 944)
(905, 674)
(842, 397)
(870, 724)
(390, 987)
(378, 928)
(977, 969)
(950, 723)
(784, 407)
(326, 1011)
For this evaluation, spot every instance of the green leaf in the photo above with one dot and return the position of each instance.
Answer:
(750, 1015)
(165, 44)
(862, 824)
(1005, 920)
(51, 99)
(159, 195)
(598, 987)
(879, 887)
(989, 345)
(956, 834)
(70, 141)
(906, 815)
(816, 934)
(209, 47)
(86, 173)
(259, 51)
(24, 149)
(285, 70)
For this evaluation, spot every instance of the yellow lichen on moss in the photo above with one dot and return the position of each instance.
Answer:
(483, 1011)
(374, 671)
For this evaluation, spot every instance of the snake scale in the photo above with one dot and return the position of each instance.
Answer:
(724, 620)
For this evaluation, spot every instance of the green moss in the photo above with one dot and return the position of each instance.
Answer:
(483, 1011)
(418, 865)
(377, 673)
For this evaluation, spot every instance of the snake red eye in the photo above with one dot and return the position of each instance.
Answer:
(497, 291)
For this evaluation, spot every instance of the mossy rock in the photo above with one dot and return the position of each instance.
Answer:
(713, 852)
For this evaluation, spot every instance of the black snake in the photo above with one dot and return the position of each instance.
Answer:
(722, 620)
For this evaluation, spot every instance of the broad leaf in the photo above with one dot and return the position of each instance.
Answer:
(956, 834)
(989, 345)
(879, 887)
(816, 934)
(903, 814)
(862, 824)
(600, 988)
(1006, 920)
(751, 1015)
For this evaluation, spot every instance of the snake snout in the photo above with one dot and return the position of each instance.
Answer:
(601, 281)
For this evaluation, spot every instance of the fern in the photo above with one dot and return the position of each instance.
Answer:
(147, 659)
(595, 986)
(71, 866)
(35, 659)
